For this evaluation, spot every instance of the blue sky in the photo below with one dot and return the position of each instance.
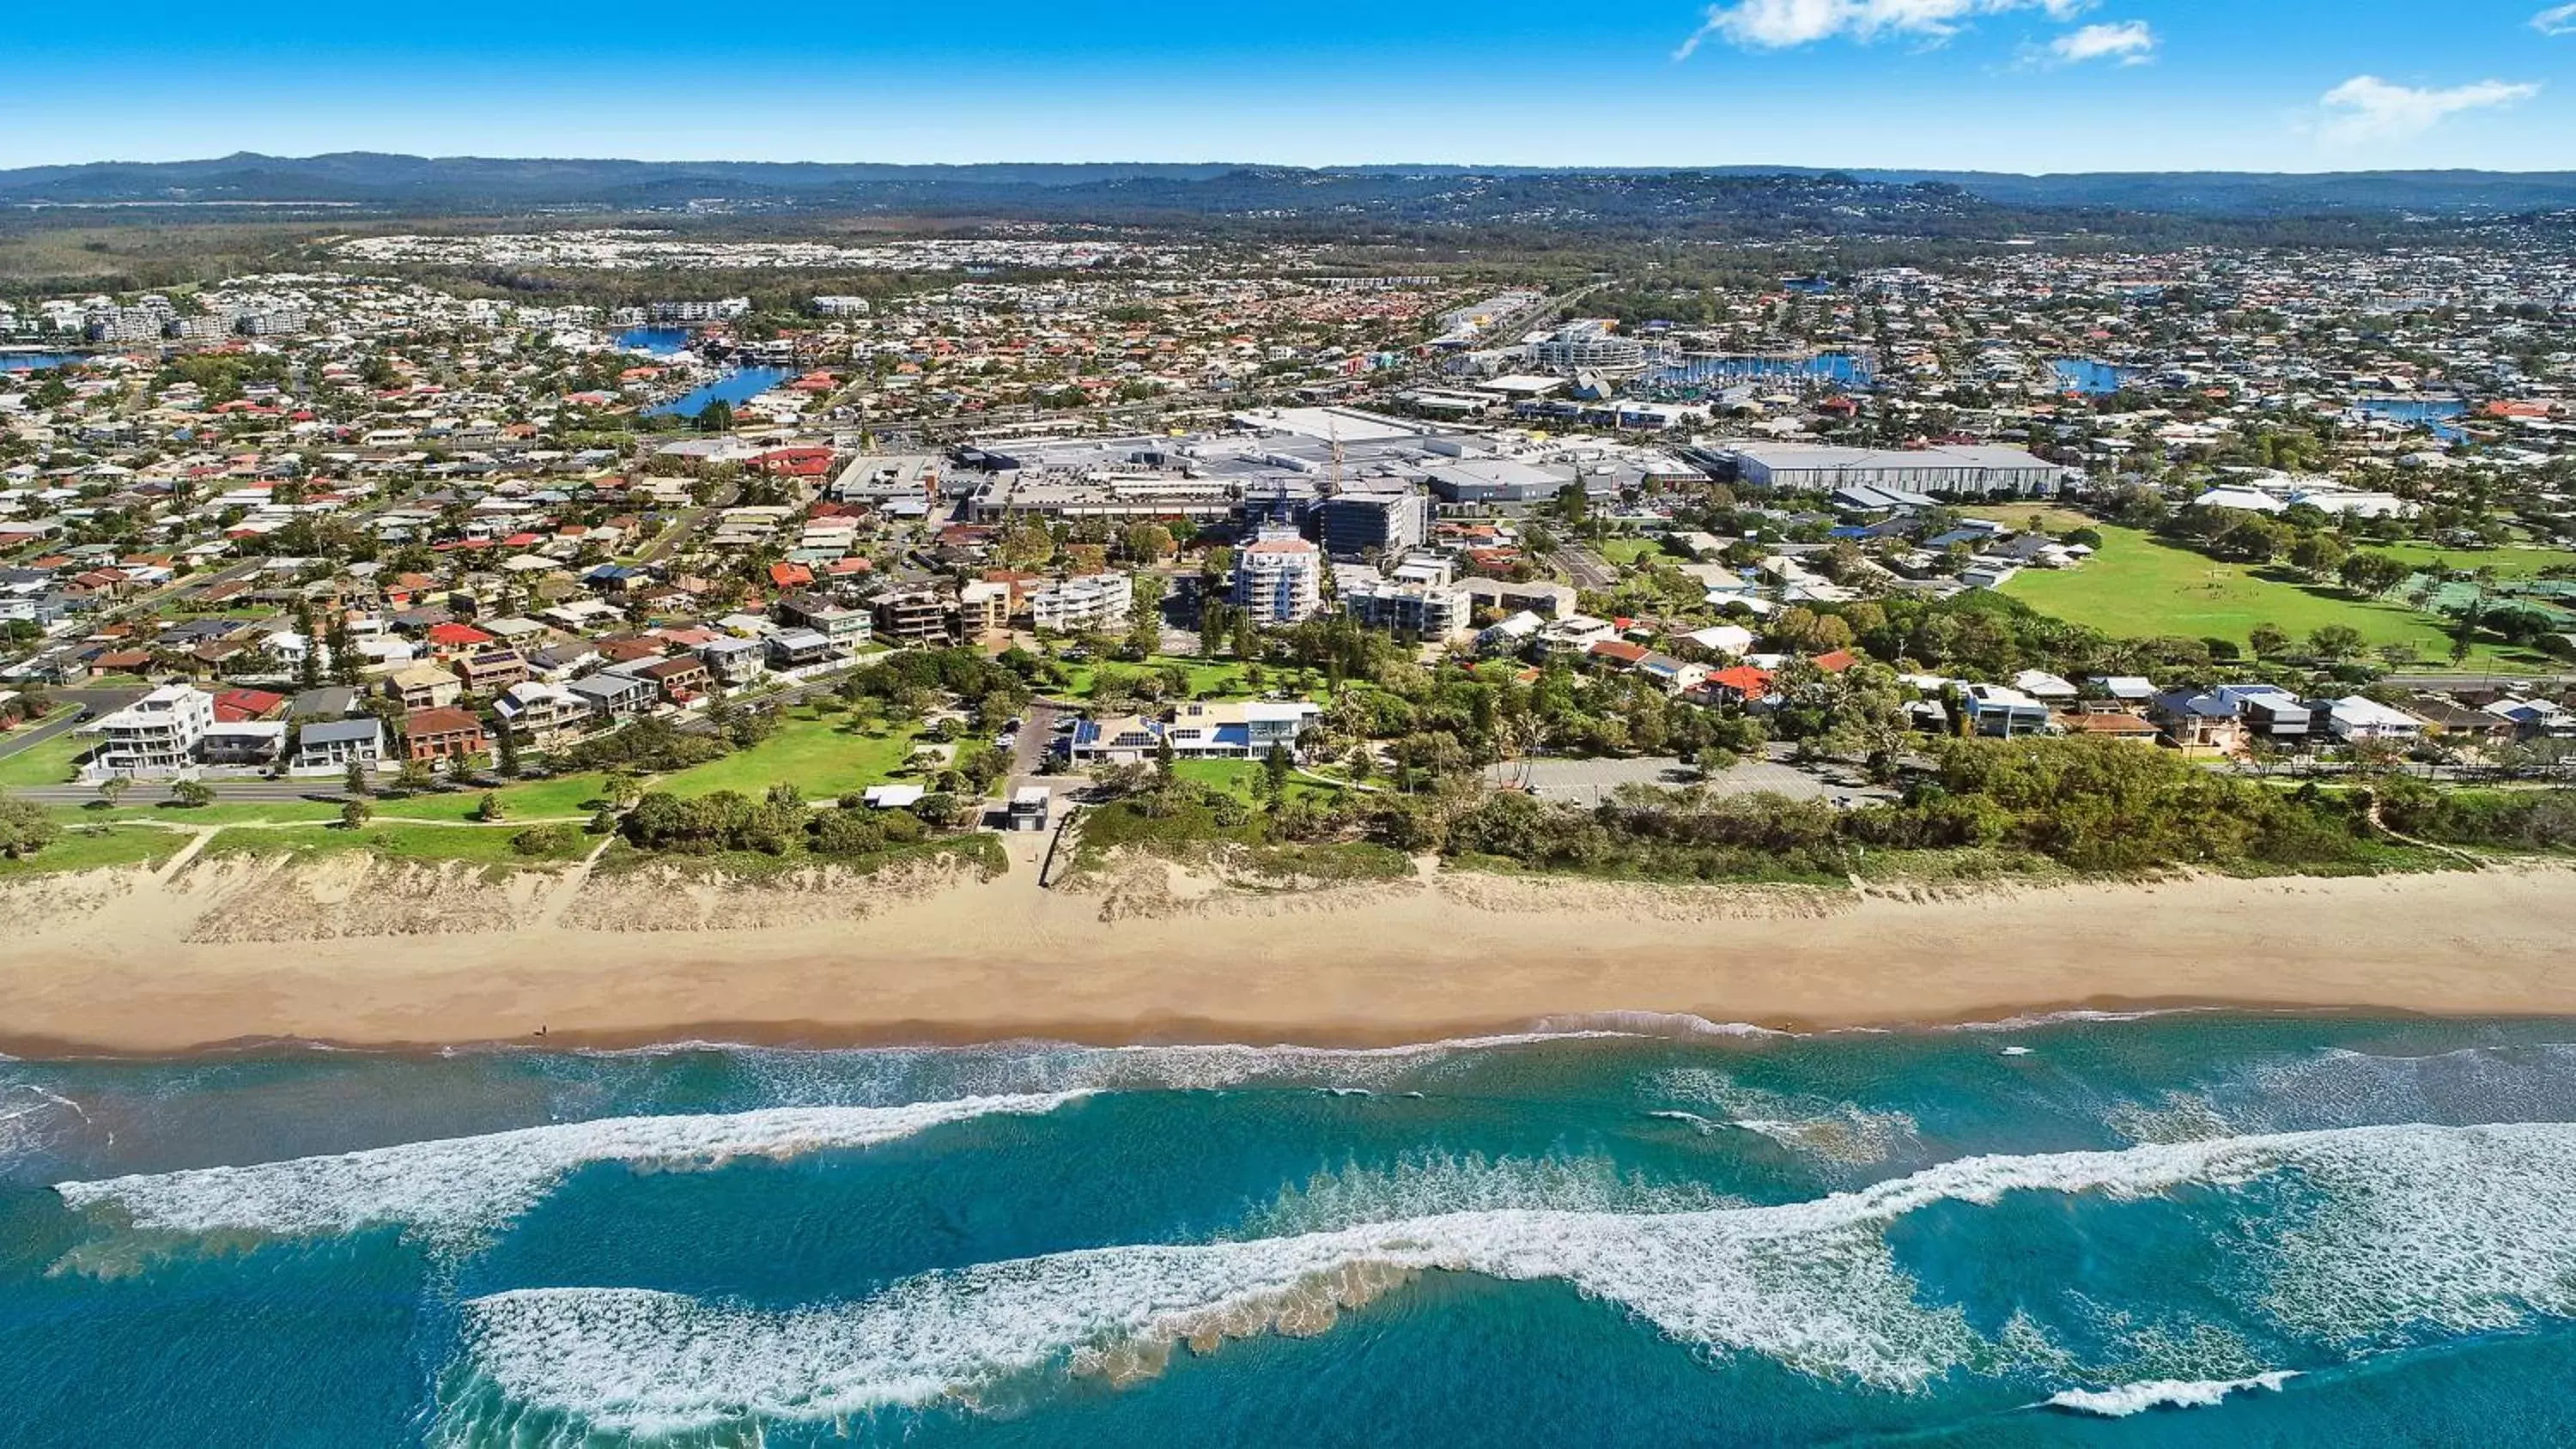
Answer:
(2022, 85)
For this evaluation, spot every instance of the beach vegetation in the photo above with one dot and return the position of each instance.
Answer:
(25, 828)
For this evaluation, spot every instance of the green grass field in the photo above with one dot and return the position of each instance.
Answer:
(820, 753)
(2514, 562)
(1242, 778)
(1209, 678)
(2137, 587)
(97, 847)
(46, 763)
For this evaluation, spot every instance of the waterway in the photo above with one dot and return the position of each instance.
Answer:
(733, 389)
(659, 341)
(37, 361)
(2431, 412)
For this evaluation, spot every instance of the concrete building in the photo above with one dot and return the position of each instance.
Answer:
(1436, 612)
(156, 735)
(1386, 522)
(431, 735)
(1978, 471)
(906, 617)
(1278, 579)
(539, 716)
(1093, 604)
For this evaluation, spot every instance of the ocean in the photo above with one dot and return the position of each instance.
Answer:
(2185, 1228)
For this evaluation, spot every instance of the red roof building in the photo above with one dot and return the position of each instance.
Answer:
(234, 706)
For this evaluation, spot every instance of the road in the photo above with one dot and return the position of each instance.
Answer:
(1588, 569)
(98, 701)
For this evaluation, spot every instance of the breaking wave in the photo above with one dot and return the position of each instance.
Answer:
(452, 1191)
(2137, 1398)
(1837, 1131)
(2452, 1227)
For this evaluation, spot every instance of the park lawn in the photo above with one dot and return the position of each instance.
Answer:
(222, 812)
(47, 763)
(397, 840)
(2510, 562)
(822, 754)
(1243, 779)
(2138, 587)
(99, 846)
(570, 797)
(1626, 549)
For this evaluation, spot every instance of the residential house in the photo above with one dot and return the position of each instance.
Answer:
(331, 746)
(732, 662)
(243, 742)
(813, 611)
(799, 648)
(2198, 722)
(614, 693)
(423, 686)
(680, 678)
(537, 715)
(489, 671)
(1999, 712)
(2355, 717)
(432, 735)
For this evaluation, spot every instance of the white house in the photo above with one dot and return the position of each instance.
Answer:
(156, 735)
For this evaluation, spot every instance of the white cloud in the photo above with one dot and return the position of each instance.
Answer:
(2130, 42)
(2366, 109)
(1782, 24)
(2558, 21)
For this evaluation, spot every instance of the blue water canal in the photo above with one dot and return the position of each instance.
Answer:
(732, 389)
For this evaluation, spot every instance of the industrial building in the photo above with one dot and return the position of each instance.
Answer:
(1975, 471)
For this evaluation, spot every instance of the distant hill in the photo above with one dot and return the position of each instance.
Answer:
(1922, 202)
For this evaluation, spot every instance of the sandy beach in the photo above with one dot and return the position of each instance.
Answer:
(382, 954)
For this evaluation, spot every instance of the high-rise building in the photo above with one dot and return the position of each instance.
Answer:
(1278, 579)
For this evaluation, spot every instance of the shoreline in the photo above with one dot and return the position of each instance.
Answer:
(136, 965)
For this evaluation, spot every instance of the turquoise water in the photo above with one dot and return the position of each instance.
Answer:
(2182, 1229)
(37, 361)
(738, 386)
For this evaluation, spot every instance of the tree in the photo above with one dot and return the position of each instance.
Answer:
(414, 776)
(488, 809)
(308, 669)
(360, 781)
(2318, 555)
(112, 789)
(2335, 641)
(2268, 640)
(1148, 542)
(509, 753)
(356, 813)
(193, 794)
(1274, 770)
(25, 828)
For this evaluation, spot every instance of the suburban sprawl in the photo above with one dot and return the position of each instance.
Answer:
(1296, 564)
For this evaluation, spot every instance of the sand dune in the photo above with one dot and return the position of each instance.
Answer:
(411, 955)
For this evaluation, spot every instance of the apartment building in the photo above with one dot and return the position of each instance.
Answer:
(1278, 579)
(1425, 611)
(432, 735)
(915, 617)
(156, 735)
(1091, 604)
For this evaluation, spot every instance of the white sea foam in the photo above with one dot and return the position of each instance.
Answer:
(2016, 1051)
(1653, 1023)
(1812, 1284)
(1839, 1131)
(1425, 1185)
(32, 1118)
(452, 1190)
(2137, 1398)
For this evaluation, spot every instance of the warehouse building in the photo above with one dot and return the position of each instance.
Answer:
(1978, 471)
